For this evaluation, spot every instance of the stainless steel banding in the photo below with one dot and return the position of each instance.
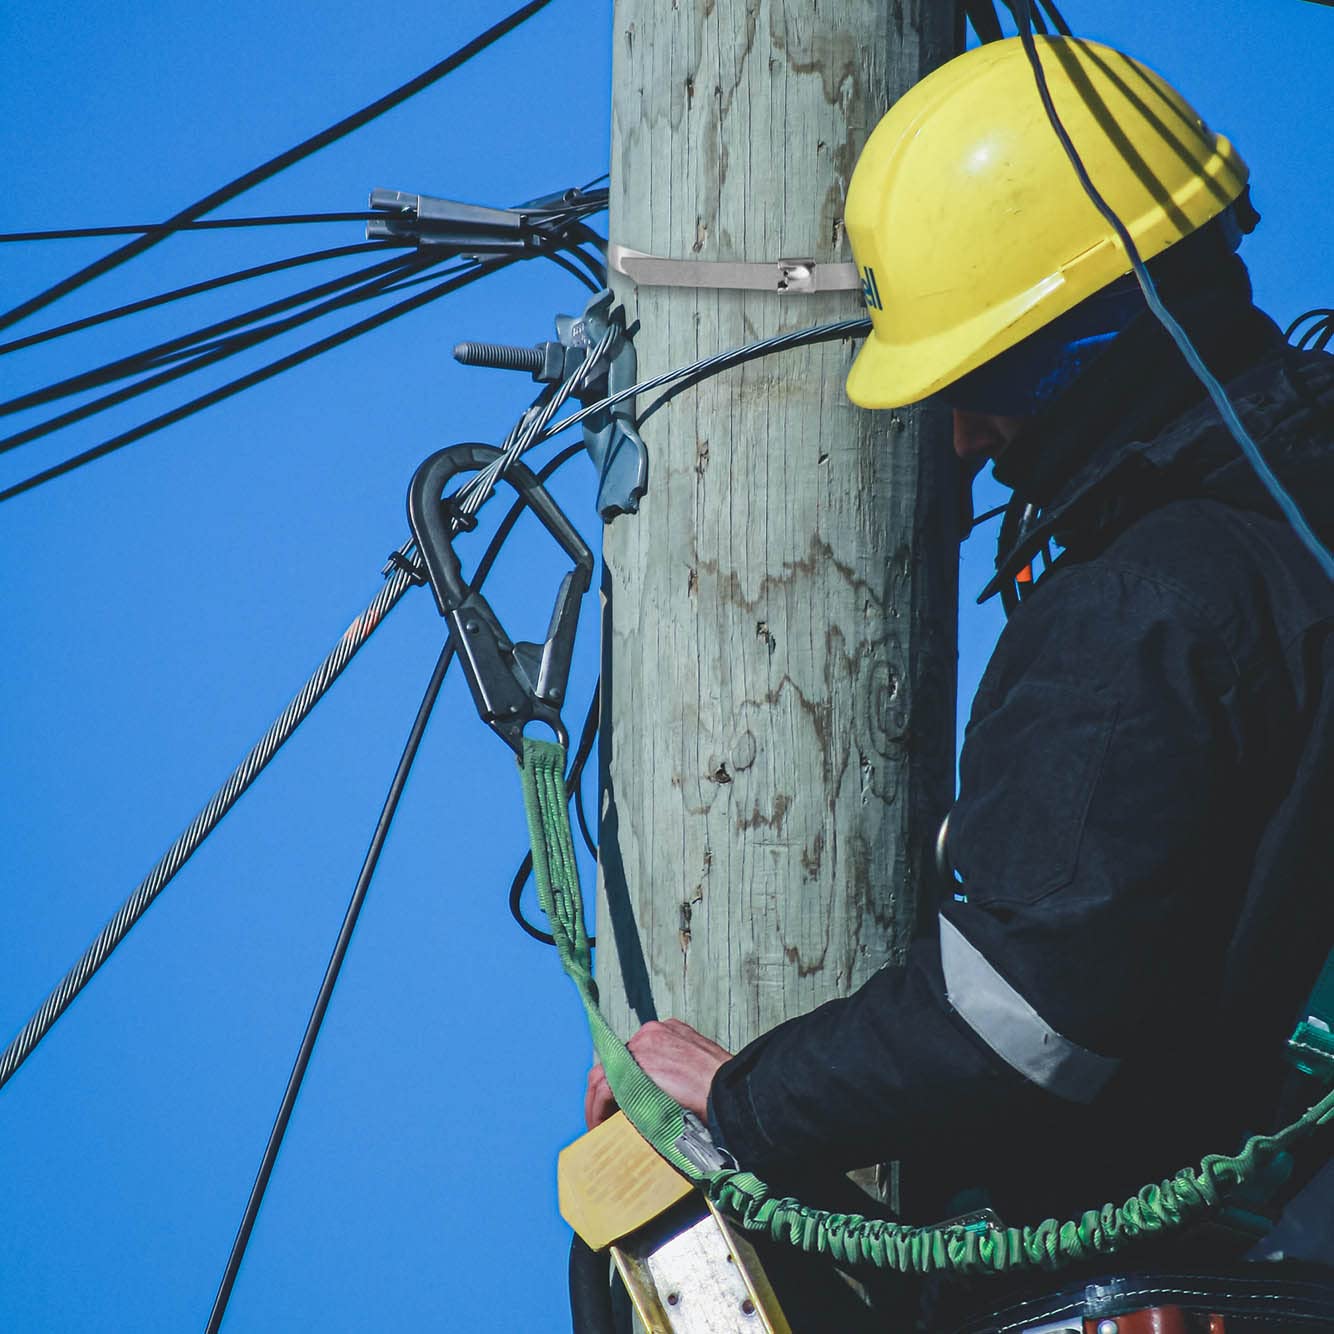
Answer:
(1012, 1028)
(803, 277)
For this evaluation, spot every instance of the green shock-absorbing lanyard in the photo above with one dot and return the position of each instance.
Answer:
(683, 1141)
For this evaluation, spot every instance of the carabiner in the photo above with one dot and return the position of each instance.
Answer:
(512, 684)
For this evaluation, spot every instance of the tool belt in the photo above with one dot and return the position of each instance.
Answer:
(1251, 1299)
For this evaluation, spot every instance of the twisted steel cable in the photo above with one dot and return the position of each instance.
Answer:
(398, 581)
(532, 427)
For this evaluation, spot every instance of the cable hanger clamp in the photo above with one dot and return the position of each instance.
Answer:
(788, 277)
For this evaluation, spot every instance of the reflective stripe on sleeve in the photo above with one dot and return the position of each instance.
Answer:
(1012, 1028)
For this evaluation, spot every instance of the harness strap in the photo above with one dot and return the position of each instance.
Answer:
(656, 1115)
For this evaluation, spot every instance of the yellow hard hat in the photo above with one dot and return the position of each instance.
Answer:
(970, 227)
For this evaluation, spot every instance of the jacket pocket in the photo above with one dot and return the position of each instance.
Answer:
(1026, 778)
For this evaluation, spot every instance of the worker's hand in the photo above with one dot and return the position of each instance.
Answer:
(679, 1060)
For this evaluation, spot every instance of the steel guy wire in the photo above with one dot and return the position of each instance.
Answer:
(402, 571)
(361, 629)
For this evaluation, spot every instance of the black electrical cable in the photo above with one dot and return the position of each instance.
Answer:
(183, 345)
(591, 1309)
(326, 990)
(276, 164)
(196, 225)
(586, 739)
(710, 366)
(1034, 16)
(193, 289)
(1287, 506)
(259, 375)
(982, 15)
(1317, 336)
(569, 266)
(1057, 19)
(990, 514)
(207, 357)
(582, 233)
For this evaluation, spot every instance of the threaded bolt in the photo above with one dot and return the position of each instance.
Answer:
(501, 356)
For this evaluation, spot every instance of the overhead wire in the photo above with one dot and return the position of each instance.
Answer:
(207, 356)
(192, 225)
(1285, 502)
(184, 344)
(325, 993)
(580, 233)
(191, 289)
(274, 165)
(257, 376)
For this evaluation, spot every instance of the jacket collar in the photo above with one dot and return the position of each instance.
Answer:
(1120, 441)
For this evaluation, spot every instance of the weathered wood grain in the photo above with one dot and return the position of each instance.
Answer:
(779, 645)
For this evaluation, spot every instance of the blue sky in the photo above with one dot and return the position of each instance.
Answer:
(163, 604)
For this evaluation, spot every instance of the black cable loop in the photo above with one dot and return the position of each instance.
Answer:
(586, 739)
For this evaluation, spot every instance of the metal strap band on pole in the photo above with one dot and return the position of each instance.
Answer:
(397, 583)
(788, 277)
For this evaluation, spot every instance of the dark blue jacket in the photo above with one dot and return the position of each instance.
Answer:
(1144, 833)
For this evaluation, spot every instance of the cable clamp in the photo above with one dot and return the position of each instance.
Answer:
(405, 564)
(423, 221)
(787, 277)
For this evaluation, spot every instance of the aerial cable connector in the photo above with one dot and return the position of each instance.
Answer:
(469, 229)
(610, 434)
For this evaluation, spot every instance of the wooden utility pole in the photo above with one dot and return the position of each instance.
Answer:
(779, 633)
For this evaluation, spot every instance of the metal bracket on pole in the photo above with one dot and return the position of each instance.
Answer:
(610, 434)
